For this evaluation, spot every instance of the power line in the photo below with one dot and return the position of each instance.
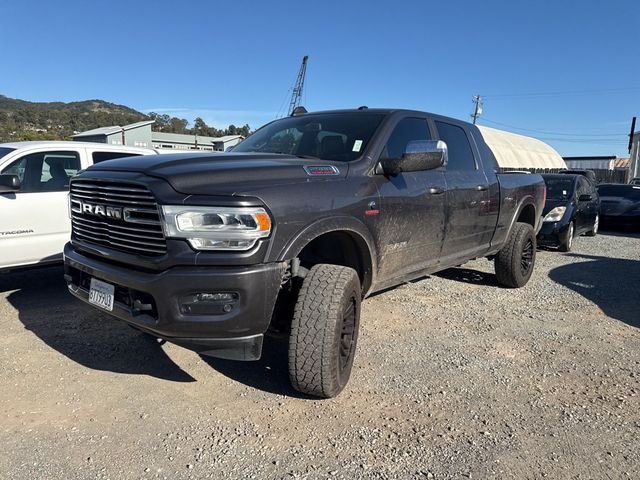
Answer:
(484, 119)
(562, 93)
(576, 140)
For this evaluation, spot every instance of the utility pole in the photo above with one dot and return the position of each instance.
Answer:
(634, 152)
(477, 99)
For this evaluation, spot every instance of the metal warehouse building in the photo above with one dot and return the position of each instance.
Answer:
(140, 135)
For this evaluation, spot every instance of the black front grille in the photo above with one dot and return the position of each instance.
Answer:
(120, 215)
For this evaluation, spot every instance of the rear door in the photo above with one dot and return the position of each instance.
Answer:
(34, 222)
(411, 223)
(470, 224)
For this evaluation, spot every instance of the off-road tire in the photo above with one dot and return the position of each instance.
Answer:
(566, 242)
(320, 352)
(509, 262)
(596, 226)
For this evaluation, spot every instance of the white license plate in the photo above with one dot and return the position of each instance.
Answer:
(101, 294)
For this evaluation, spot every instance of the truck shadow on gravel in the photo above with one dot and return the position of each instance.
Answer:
(610, 283)
(467, 275)
(83, 334)
(269, 374)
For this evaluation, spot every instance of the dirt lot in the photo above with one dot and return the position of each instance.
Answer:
(454, 378)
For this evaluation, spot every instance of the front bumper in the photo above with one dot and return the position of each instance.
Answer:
(152, 302)
(551, 233)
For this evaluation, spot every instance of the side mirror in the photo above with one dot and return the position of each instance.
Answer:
(418, 156)
(585, 198)
(9, 183)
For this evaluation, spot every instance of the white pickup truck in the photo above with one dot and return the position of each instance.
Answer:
(34, 184)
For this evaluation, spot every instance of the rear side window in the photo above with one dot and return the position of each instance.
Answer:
(459, 149)
(45, 171)
(626, 191)
(103, 156)
(407, 130)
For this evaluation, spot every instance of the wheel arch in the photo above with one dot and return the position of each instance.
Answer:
(356, 246)
(526, 212)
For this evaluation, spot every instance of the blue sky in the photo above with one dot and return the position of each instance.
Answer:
(566, 72)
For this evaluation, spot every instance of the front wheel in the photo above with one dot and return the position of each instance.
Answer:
(324, 330)
(514, 263)
(566, 242)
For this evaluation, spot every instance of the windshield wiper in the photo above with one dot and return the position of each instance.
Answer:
(312, 157)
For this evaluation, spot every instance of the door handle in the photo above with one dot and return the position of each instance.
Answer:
(435, 190)
(482, 188)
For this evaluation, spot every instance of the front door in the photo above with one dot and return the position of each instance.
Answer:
(412, 211)
(34, 221)
(586, 210)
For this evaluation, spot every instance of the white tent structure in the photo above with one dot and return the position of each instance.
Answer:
(520, 152)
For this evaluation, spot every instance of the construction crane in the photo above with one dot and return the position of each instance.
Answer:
(296, 95)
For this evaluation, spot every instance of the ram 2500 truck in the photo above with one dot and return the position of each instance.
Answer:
(315, 211)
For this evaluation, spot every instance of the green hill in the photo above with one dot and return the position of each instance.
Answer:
(23, 120)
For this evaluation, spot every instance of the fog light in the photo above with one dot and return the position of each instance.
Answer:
(208, 303)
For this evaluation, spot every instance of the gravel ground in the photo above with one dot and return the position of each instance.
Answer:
(454, 378)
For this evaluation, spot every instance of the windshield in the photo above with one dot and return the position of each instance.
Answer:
(559, 188)
(5, 151)
(627, 191)
(330, 136)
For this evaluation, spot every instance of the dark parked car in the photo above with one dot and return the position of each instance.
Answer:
(635, 181)
(620, 204)
(571, 209)
(315, 212)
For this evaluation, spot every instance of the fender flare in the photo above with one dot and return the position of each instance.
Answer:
(522, 204)
(343, 223)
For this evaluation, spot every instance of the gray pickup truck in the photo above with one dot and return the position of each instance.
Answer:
(314, 212)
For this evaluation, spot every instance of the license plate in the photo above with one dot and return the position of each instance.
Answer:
(101, 294)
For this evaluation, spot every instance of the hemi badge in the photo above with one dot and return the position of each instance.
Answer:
(321, 170)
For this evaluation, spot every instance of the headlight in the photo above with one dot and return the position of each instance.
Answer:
(216, 228)
(555, 215)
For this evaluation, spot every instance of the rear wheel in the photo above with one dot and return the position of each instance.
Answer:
(566, 242)
(324, 330)
(596, 224)
(514, 263)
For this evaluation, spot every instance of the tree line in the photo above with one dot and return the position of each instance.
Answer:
(168, 124)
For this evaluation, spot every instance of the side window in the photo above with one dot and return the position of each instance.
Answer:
(459, 149)
(584, 188)
(103, 156)
(45, 171)
(407, 130)
(18, 168)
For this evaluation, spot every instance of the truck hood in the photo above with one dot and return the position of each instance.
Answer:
(228, 173)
